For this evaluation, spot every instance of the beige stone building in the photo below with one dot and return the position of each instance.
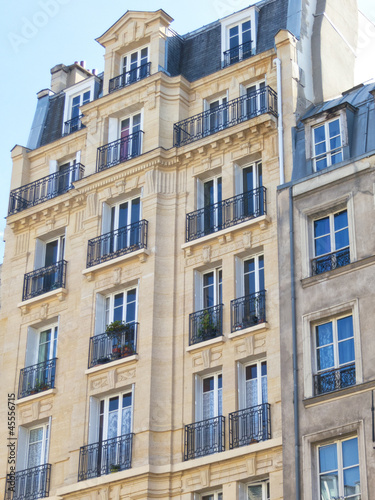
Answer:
(140, 291)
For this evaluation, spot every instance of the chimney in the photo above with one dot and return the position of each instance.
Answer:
(59, 78)
(83, 64)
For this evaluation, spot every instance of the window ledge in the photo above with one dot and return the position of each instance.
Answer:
(59, 293)
(142, 255)
(225, 235)
(339, 394)
(312, 280)
(111, 364)
(206, 343)
(250, 329)
(38, 395)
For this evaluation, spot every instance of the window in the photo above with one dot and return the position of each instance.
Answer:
(135, 65)
(339, 470)
(252, 384)
(258, 491)
(67, 173)
(124, 141)
(77, 96)
(209, 198)
(327, 144)
(78, 101)
(239, 43)
(212, 288)
(249, 308)
(331, 242)
(216, 116)
(209, 401)
(212, 496)
(255, 99)
(335, 356)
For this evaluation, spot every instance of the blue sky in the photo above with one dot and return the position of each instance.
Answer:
(35, 35)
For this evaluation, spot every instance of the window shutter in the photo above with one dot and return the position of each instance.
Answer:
(200, 194)
(239, 277)
(32, 346)
(23, 438)
(241, 386)
(52, 166)
(112, 129)
(78, 157)
(94, 420)
(198, 398)
(99, 314)
(242, 491)
(40, 252)
(238, 180)
(106, 218)
(198, 295)
(48, 438)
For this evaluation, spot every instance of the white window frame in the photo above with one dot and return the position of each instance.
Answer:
(126, 68)
(24, 442)
(87, 85)
(41, 247)
(216, 495)
(199, 287)
(199, 381)
(239, 174)
(249, 14)
(265, 485)
(241, 370)
(101, 307)
(33, 342)
(114, 124)
(332, 232)
(329, 153)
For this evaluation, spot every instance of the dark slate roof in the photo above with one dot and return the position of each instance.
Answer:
(53, 125)
(272, 18)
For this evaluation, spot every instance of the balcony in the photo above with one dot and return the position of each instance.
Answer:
(28, 484)
(204, 438)
(226, 213)
(113, 345)
(37, 378)
(129, 77)
(111, 455)
(118, 151)
(122, 241)
(333, 380)
(239, 53)
(44, 189)
(248, 311)
(331, 261)
(44, 280)
(206, 324)
(250, 425)
(73, 125)
(226, 115)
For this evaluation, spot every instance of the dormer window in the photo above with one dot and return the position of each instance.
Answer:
(135, 67)
(327, 144)
(75, 97)
(238, 35)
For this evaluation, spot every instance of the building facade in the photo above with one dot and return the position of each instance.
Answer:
(140, 290)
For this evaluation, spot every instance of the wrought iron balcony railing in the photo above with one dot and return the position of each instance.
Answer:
(239, 53)
(28, 484)
(44, 280)
(44, 189)
(37, 378)
(204, 438)
(226, 115)
(333, 380)
(331, 261)
(110, 245)
(226, 213)
(111, 455)
(129, 77)
(248, 311)
(118, 151)
(206, 324)
(73, 125)
(114, 345)
(250, 425)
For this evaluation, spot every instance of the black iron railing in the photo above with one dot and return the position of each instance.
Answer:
(204, 438)
(111, 455)
(331, 261)
(28, 484)
(37, 378)
(129, 77)
(206, 324)
(226, 213)
(110, 245)
(44, 189)
(239, 53)
(44, 280)
(73, 125)
(248, 311)
(115, 345)
(118, 151)
(333, 380)
(250, 425)
(226, 115)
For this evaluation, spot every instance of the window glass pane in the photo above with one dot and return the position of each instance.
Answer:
(346, 351)
(350, 452)
(341, 220)
(324, 334)
(319, 134)
(86, 97)
(334, 128)
(144, 55)
(208, 384)
(322, 245)
(325, 358)
(336, 158)
(321, 227)
(321, 164)
(320, 149)
(345, 328)
(255, 492)
(342, 239)
(329, 487)
(352, 481)
(118, 307)
(328, 458)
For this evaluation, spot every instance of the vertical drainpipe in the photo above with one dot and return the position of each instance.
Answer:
(280, 119)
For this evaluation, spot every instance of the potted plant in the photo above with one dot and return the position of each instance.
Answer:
(127, 348)
(207, 327)
(115, 468)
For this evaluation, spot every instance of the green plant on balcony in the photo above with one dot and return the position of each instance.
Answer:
(115, 468)
(208, 327)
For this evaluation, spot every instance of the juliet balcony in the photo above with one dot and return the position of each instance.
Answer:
(28, 484)
(73, 125)
(44, 280)
(237, 54)
(250, 425)
(204, 438)
(113, 345)
(333, 380)
(119, 151)
(44, 189)
(37, 378)
(248, 311)
(129, 77)
(226, 213)
(261, 101)
(105, 457)
(331, 261)
(206, 324)
(113, 244)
